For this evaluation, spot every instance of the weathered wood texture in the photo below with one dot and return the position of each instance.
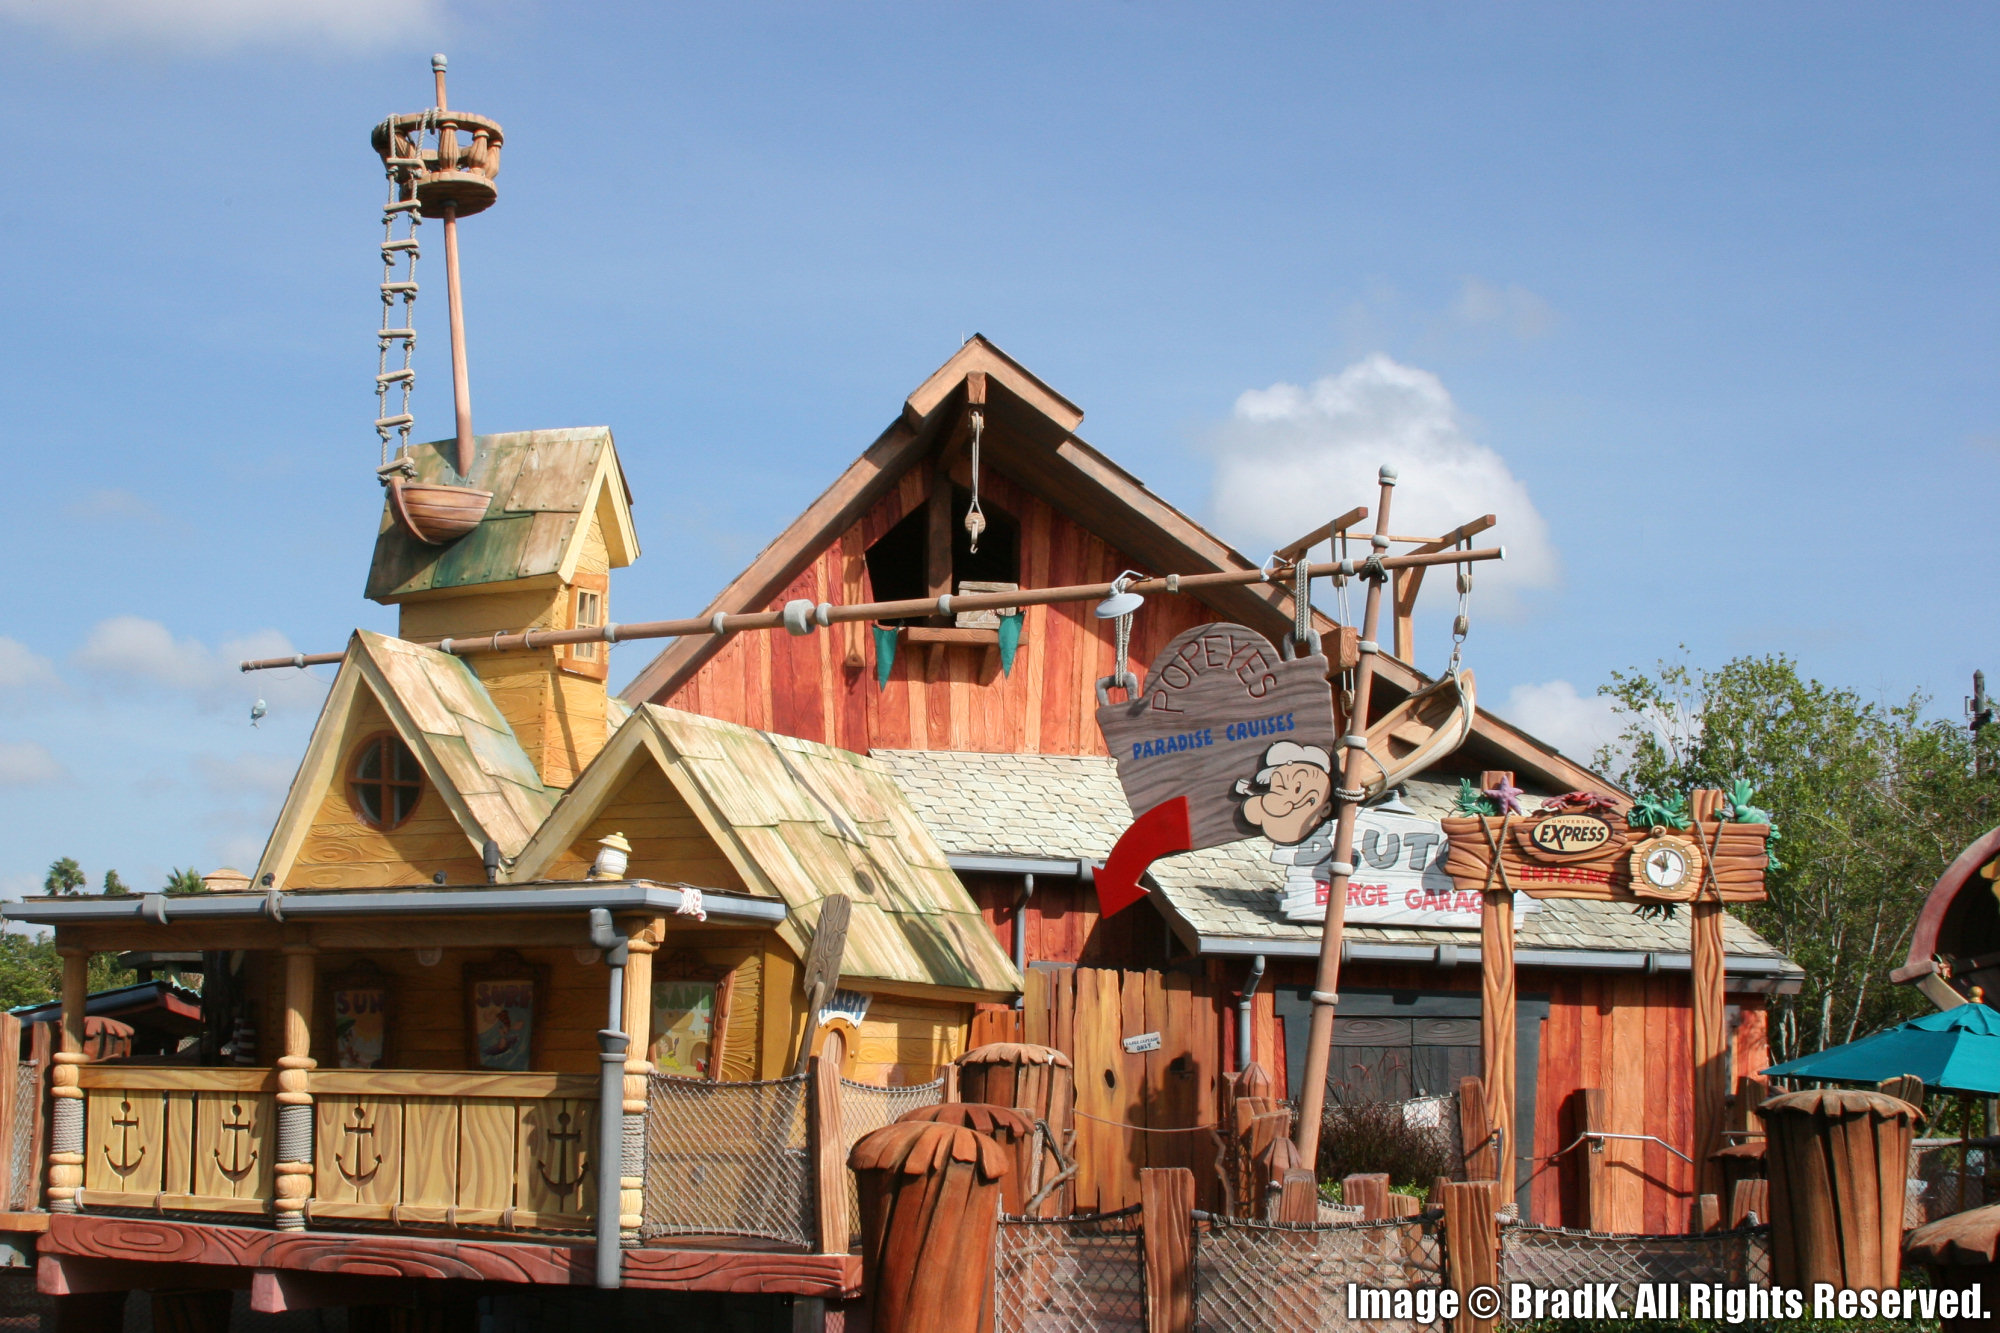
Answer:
(1709, 1042)
(1168, 1197)
(1134, 1109)
(1739, 860)
(668, 841)
(340, 851)
(1368, 1191)
(828, 1145)
(805, 687)
(1496, 1030)
(663, 1269)
(1064, 925)
(1838, 1163)
(930, 1211)
(1472, 1244)
(1602, 1032)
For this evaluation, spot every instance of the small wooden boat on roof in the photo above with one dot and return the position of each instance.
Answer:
(1420, 730)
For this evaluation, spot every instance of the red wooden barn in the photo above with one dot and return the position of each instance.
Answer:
(1009, 770)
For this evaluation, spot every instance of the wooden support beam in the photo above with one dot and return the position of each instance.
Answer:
(638, 1025)
(1410, 581)
(1297, 1203)
(1593, 1177)
(1710, 1018)
(294, 1170)
(66, 1105)
(1475, 1132)
(1707, 1215)
(1324, 532)
(1166, 1197)
(1496, 1013)
(829, 1146)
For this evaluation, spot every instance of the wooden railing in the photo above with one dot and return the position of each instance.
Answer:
(193, 1140)
(484, 1150)
(405, 1147)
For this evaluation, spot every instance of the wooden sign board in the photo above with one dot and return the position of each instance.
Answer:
(1566, 854)
(1224, 721)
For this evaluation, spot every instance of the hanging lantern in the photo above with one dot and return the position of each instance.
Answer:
(613, 855)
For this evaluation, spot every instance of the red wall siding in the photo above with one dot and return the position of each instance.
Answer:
(821, 686)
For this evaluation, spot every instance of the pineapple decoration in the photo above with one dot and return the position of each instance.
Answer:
(440, 164)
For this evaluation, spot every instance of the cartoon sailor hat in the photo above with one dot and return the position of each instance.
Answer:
(1291, 752)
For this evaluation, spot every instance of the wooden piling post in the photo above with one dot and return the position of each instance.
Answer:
(1838, 1162)
(1475, 1132)
(1166, 1198)
(1496, 1012)
(1369, 1191)
(1472, 1244)
(930, 1213)
(1710, 1028)
(828, 1144)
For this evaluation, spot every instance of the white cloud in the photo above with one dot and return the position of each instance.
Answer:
(225, 24)
(136, 651)
(22, 669)
(1291, 457)
(1511, 309)
(1576, 724)
(27, 764)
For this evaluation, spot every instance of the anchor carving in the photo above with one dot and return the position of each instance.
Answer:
(125, 1163)
(361, 1138)
(239, 1123)
(564, 1133)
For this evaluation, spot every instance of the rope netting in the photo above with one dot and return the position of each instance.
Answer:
(1070, 1274)
(1551, 1257)
(865, 1108)
(23, 1170)
(728, 1159)
(1250, 1277)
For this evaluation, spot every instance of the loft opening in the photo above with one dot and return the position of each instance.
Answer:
(897, 567)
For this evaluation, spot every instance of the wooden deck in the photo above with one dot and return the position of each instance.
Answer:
(84, 1253)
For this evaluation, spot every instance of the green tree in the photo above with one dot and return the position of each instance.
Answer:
(31, 971)
(1872, 799)
(181, 883)
(115, 887)
(65, 877)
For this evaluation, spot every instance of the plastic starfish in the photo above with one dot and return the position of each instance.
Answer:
(1507, 796)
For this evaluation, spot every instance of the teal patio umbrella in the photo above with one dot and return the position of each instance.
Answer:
(1954, 1050)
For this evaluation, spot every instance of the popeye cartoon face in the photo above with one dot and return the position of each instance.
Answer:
(1292, 793)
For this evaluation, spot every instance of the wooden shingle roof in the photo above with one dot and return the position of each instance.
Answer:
(799, 821)
(547, 485)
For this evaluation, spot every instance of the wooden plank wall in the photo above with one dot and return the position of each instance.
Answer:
(1133, 1110)
(1630, 1036)
(668, 840)
(902, 1042)
(806, 686)
(1064, 925)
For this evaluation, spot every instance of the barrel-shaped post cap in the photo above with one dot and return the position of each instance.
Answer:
(1388, 475)
(437, 62)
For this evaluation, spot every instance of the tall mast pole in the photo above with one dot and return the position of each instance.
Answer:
(1319, 1044)
(461, 387)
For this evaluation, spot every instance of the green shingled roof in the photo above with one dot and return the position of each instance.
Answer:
(546, 486)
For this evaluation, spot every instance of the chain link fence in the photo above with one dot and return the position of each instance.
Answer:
(1070, 1274)
(1936, 1180)
(1550, 1257)
(23, 1169)
(728, 1159)
(1253, 1277)
(865, 1108)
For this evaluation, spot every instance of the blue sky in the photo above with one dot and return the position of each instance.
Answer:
(1700, 298)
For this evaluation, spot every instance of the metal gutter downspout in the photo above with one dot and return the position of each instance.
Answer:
(1021, 935)
(1243, 1012)
(611, 1044)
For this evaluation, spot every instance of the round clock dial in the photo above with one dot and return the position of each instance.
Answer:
(1666, 867)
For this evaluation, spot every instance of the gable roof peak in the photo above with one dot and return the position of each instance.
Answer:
(979, 355)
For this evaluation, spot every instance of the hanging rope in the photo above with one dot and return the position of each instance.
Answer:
(1461, 623)
(975, 520)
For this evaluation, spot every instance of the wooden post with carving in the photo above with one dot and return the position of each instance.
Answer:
(1496, 1012)
(294, 1167)
(638, 1023)
(1472, 1245)
(1710, 1026)
(66, 1098)
(829, 1145)
(1593, 1176)
(1166, 1195)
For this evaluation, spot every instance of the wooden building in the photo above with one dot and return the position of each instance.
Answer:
(494, 901)
(1008, 770)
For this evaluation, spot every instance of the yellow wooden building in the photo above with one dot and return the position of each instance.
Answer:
(486, 877)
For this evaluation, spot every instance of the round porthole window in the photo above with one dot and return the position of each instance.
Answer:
(384, 781)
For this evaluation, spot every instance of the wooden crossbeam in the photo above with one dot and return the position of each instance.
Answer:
(1409, 581)
(1319, 534)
